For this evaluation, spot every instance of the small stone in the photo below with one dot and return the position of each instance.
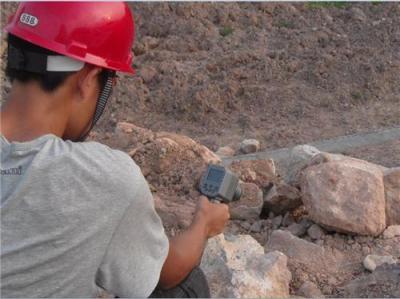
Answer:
(125, 127)
(358, 14)
(365, 250)
(246, 225)
(148, 73)
(391, 232)
(225, 151)
(310, 290)
(306, 223)
(315, 232)
(276, 222)
(281, 198)
(249, 146)
(250, 204)
(256, 227)
(287, 219)
(297, 229)
(371, 261)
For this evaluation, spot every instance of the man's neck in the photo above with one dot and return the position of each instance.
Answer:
(30, 113)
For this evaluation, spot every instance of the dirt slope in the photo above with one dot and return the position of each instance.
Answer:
(283, 73)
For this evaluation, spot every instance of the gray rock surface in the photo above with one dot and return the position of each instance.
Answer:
(300, 251)
(315, 232)
(299, 158)
(297, 229)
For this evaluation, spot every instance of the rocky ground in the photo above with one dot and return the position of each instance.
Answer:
(284, 74)
(329, 227)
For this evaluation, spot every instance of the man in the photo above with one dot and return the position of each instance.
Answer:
(76, 215)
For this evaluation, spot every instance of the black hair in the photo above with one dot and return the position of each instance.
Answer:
(49, 81)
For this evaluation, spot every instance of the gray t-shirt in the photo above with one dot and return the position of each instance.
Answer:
(75, 216)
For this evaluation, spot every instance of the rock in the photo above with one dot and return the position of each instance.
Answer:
(250, 204)
(391, 180)
(127, 136)
(225, 151)
(391, 232)
(246, 225)
(256, 227)
(346, 196)
(265, 171)
(358, 14)
(173, 163)
(310, 290)
(237, 267)
(299, 158)
(382, 283)
(276, 222)
(176, 213)
(287, 219)
(314, 257)
(249, 146)
(315, 232)
(148, 73)
(371, 261)
(297, 229)
(281, 198)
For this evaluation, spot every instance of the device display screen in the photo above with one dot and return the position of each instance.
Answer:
(215, 175)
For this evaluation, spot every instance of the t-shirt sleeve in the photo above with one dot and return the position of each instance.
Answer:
(132, 263)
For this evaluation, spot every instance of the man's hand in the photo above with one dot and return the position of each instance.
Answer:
(215, 216)
(186, 249)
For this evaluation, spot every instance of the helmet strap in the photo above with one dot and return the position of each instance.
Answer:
(102, 100)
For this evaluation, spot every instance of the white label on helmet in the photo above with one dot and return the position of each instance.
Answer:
(29, 20)
(63, 64)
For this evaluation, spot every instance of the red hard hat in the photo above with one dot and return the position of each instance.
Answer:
(99, 33)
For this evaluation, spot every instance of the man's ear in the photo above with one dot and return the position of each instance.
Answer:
(88, 82)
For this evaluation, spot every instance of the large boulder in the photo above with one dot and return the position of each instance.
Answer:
(391, 180)
(346, 195)
(237, 267)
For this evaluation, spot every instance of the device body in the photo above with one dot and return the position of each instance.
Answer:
(220, 183)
